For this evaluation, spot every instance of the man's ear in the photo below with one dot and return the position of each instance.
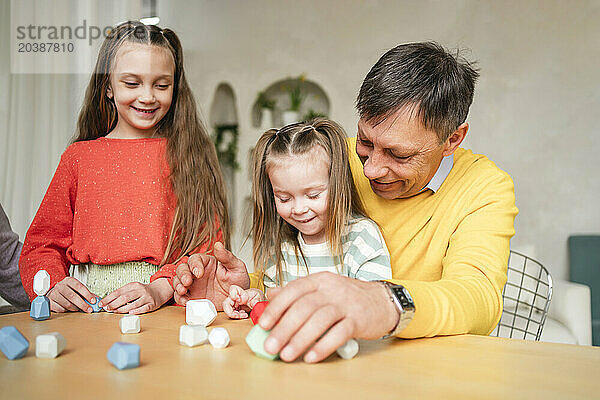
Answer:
(455, 139)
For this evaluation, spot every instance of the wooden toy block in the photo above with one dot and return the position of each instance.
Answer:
(124, 355)
(348, 350)
(40, 308)
(257, 311)
(41, 282)
(95, 307)
(12, 343)
(49, 345)
(193, 335)
(256, 341)
(200, 312)
(219, 338)
(130, 324)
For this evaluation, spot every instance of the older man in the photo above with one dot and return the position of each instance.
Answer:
(446, 214)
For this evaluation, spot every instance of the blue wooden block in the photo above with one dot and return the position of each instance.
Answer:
(256, 339)
(124, 355)
(12, 343)
(40, 308)
(95, 306)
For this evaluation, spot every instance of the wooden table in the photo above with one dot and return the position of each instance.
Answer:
(456, 367)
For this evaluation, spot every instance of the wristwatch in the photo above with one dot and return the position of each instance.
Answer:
(404, 304)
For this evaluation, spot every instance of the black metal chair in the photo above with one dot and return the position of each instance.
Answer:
(526, 297)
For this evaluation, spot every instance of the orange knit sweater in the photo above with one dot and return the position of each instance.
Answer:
(110, 201)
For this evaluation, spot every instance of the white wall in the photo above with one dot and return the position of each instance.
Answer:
(534, 107)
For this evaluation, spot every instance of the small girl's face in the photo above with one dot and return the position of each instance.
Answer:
(301, 189)
(141, 86)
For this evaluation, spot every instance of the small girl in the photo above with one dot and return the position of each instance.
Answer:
(308, 217)
(137, 191)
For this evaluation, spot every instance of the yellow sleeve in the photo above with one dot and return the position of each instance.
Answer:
(256, 282)
(468, 297)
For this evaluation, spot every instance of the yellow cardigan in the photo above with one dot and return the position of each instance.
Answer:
(448, 248)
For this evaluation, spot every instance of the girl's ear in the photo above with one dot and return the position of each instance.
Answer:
(109, 93)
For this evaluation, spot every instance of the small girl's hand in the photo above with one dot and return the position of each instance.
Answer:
(68, 295)
(138, 298)
(240, 301)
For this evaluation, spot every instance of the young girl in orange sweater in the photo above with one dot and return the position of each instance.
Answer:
(137, 191)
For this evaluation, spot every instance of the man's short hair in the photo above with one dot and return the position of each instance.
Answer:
(439, 86)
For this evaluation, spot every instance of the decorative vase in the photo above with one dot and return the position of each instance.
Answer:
(290, 117)
(266, 119)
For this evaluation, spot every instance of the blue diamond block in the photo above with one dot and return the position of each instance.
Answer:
(95, 306)
(124, 355)
(12, 343)
(40, 308)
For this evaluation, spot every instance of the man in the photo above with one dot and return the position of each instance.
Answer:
(447, 216)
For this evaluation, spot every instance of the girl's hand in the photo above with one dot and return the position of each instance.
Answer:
(68, 294)
(138, 298)
(240, 301)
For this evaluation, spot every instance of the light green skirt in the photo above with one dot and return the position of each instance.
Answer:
(103, 279)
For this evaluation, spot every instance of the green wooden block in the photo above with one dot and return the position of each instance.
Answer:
(256, 340)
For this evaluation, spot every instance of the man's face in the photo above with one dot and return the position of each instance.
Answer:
(399, 155)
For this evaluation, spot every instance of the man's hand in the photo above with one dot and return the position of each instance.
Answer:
(138, 298)
(319, 313)
(209, 277)
(68, 295)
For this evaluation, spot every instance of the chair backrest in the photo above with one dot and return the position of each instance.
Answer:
(584, 259)
(526, 298)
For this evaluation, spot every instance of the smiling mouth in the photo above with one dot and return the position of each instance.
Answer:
(305, 220)
(145, 111)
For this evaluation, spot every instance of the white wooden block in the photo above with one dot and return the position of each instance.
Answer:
(219, 338)
(200, 312)
(41, 282)
(49, 345)
(130, 324)
(348, 350)
(193, 335)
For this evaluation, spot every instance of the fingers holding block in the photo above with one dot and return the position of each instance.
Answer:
(257, 311)
(124, 355)
(348, 350)
(219, 338)
(12, 343)
(40, 308)
(200, 312)
(95, 306)
(41, 282)
(193, 335)
(130, 324)
(256, 341)
(49, 345)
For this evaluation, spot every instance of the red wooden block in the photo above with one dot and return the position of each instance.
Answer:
(257, 311)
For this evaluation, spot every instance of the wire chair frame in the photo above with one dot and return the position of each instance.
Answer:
(526, 299)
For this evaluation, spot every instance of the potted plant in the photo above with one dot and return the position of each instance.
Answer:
(265, 106)
(292, 114)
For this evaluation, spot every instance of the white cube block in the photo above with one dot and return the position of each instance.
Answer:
(200, 312)
(49, 345)
(219, 338)
(193, 335)
(348, 350)
(130, 324)
(41, 282)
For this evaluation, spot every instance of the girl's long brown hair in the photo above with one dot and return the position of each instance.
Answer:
(195, 177)
(269, 230)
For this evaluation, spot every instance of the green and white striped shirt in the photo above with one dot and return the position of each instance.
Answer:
(366, 256)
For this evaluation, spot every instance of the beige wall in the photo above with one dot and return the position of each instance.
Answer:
(534, 109)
